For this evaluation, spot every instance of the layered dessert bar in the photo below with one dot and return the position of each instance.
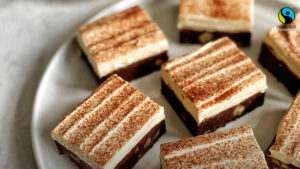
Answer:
(280, 54)
(212, 85)
(127, 43)
(200, 21)
(112, 128)
(285, 150)
(234, 148)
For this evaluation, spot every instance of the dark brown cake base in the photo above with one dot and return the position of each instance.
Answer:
(274, 163)
(137, 69)
(132, 157)
(279, 69)
(213, 123)
(190, 36)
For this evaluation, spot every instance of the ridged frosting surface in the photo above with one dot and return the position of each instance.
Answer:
(120, 33)
(233, 148)
(106, 121)
(229, 10)
(216, 15)
(287, 144)
(211, 75)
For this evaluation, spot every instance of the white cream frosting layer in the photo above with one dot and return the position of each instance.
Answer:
(285, 158)
(105, 68)
(200, 23)
(159, 117)
(281, 55)
(156, 119)
(259, 86)
(162, 160)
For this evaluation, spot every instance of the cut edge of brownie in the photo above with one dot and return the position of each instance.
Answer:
(191, 36)
(274, 163)
(213, 123)
(279, 69)
(137, 152)
(135, 70)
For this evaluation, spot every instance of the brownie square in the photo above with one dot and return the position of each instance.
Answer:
(112, 128)
(128, 43)
(200, 21)
(233, 148)
(285, 149)
(280, 54)
(212, 85)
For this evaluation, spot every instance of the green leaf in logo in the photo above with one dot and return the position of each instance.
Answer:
(281, 18)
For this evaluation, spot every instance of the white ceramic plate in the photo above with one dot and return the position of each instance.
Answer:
(68, 80)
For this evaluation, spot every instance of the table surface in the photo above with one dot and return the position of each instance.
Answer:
(30, 33)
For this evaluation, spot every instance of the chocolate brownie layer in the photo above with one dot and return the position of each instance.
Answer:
(132, 157)
(273, 163)
(213, 123)
(190, 36)
(137, 69)
(279, 69)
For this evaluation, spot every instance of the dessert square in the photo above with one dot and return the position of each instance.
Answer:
(127, 43)
(233, 148)
(280, 54)
(113, 128)
(212, 85)
(284, 152)
(200, 21)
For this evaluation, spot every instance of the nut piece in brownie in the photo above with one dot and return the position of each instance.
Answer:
(212, 85)
(200, 21)
(285, 150)
(127, 43)
(112, 128)
(280, 54)
(233, 148)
